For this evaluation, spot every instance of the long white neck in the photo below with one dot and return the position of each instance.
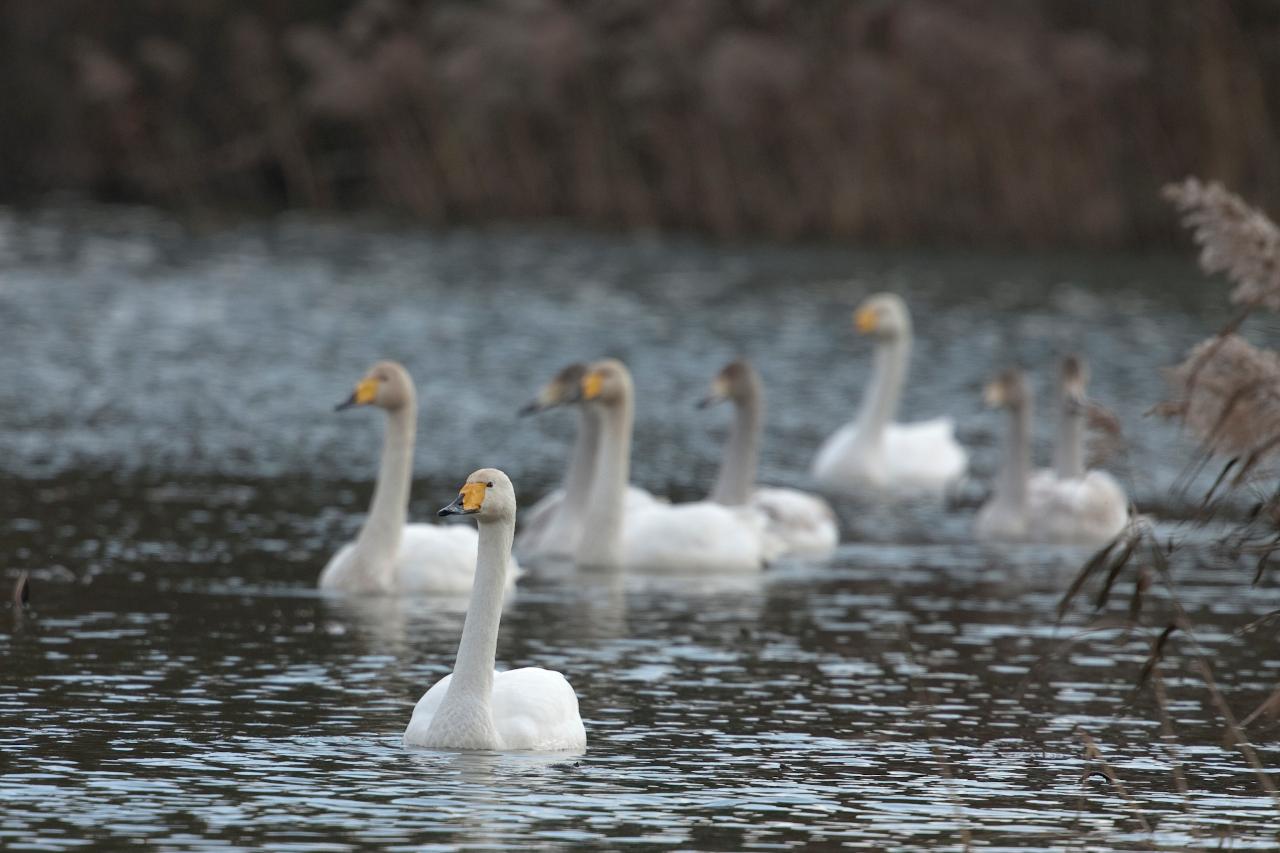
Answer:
(379, 538)
(471, 690)
(1068, 449)
(578, 476)
(736, 481)
(601, 543)
(1011, 488)
(880, 401)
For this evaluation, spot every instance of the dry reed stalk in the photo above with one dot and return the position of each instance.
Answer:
(1236, 736)
(1092, 752)
(22, 591)
(1168, 736)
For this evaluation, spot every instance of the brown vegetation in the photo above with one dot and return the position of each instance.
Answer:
(1028, 121)
(1227, 394)
(1227, 391)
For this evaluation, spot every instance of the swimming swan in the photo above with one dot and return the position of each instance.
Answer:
(389, 555)
(553, 527)
(476, 707)
(873, 454)
(803, 524)
(1081, 507)
(691, 537)
(1008, 515)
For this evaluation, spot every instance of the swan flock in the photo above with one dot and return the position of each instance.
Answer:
(598, 520)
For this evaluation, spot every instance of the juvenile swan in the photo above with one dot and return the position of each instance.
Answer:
(873, 454)
(1081, 507)
(801, 523)
(389, 555)
(553, 527)
(691, 537)
(1008, 514)
(475, 707)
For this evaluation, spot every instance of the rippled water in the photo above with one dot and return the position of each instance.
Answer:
(173, 478)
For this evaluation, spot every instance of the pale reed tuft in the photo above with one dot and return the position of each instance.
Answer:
(1229, 395)
(1235, 239)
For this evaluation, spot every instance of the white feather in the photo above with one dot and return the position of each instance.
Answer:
(533, 709)
(920, 458)
(800, 524)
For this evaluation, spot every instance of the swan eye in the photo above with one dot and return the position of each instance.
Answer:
(489, 485)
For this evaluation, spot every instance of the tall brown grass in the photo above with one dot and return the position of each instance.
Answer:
(1028, 122)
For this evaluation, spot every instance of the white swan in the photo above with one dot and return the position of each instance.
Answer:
(691, 537)
(803, 524)
(1008, 515)
(1080, 507)
(553, 527)
(389, 555)
(475, 707)
(873, 454)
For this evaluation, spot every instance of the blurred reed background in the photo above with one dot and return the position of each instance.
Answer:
(1028, 122)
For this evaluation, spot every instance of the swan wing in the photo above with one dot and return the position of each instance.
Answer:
(340, 565)
(536, 522)
(441, 559)
(804, 524)
(425, 711)
(920, 458)
(536, 709)
(694, 537)
(532, 708)
(841, 466)
(924, 456)
(1089, 510)
(997, 521)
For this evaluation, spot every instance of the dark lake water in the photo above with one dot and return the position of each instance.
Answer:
(173, 478)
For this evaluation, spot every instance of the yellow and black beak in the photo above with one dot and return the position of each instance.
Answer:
(993, 394)
(591, 386)
(865, 320)
(470, 499)
(366, 392)
(718, 394)
(547, 399)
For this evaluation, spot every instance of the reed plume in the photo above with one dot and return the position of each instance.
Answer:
(1227, 391)
(1235, 239)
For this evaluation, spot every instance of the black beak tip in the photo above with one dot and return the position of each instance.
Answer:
(528, 409)
(443, 512)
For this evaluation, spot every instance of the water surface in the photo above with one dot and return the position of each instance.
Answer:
(173, 477)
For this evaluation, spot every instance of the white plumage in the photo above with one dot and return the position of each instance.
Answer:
(388, 555)
(432, 558)
(476, 706)
(696, 537)
(796, 523)
(532, 709)
(873, 455)
(915, 459)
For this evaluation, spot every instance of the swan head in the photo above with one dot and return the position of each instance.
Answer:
(606, 382)
(387, 385)
(563, 388)
(1007, 391)
(487, 494)
(1075, 376)
(883, 316)
(736, 381)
